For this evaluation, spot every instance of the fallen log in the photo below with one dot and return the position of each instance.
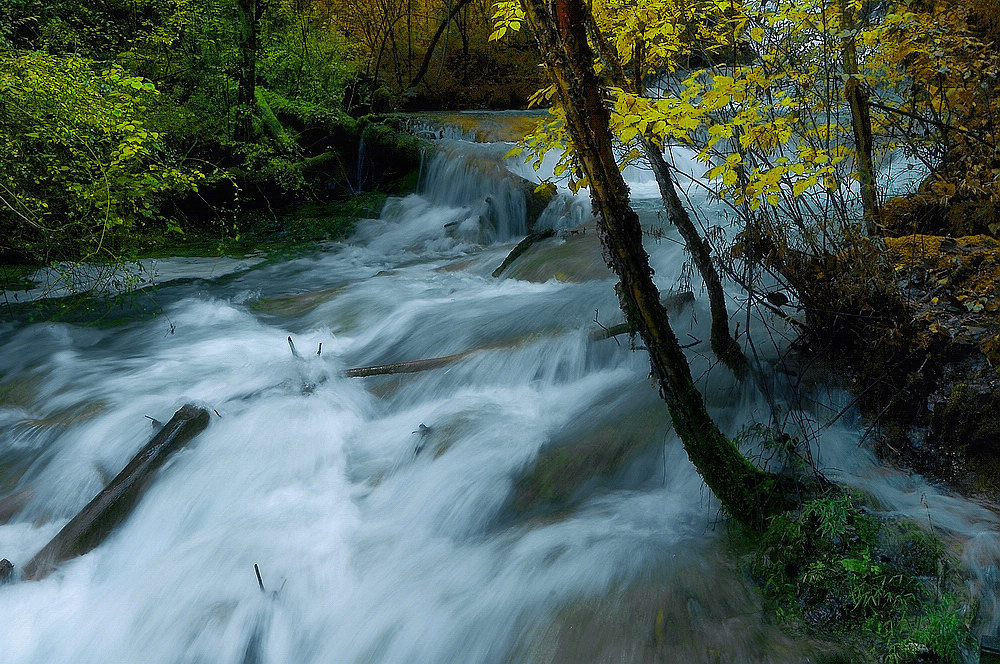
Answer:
(670, 302)
(522, 247)
(102, 514)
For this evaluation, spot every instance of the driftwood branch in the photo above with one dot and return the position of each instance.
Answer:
(522, 247)
(412, 366)
(112, 505)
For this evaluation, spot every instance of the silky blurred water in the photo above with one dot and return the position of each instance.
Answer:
(376, 543)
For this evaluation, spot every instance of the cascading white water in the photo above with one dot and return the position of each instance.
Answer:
(377, 543)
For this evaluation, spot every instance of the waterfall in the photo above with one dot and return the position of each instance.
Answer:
(379, 540)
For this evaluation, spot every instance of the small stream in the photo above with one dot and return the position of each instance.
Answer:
(377, 542)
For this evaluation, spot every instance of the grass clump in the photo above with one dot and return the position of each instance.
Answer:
(834, 567)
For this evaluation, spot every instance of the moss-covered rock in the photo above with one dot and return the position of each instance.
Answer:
(969, 420)
(560, 473)
(834, 567)
(572, 257)
(929, 214)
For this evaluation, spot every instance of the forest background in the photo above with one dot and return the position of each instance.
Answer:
(132, 125)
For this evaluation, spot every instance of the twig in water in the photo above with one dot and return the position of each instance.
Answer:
(155, 422)
(320, 350)
(606, 330)
(260, 582)
(217, 412)
(291, 346)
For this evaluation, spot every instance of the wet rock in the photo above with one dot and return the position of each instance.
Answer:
(696, 611)
(11, 504)
(559, 473)
(19, 392)
(573, 258)
(296, 305)
(586, 455)
(6, 570)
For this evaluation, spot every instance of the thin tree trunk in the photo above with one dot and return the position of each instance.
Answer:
(722, 342)
(745, 491)
(723, 345)
(857, 100)
(246, 98)
(429, 55)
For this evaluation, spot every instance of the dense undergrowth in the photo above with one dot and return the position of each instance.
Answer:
(131, 126)
(889, 588)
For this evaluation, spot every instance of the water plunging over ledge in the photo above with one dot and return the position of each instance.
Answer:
(385, 543)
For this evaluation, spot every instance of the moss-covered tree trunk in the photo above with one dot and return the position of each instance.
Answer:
(559, 27)
(861, 122)
(246, 77)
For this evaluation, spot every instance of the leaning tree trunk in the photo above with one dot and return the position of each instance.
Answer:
(745, 491)
(861, 122)
(426, 62)
(723, 344)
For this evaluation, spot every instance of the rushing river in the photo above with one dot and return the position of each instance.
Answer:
(378, 540)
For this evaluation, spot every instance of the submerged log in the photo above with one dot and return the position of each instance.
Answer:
(102, 514)
(522, 247)
(412, 366)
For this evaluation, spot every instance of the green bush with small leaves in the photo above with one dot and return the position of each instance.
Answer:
(834, 566)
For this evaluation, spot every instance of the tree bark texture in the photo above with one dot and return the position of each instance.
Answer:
(559, 27)
(246, 80)
(861, 122)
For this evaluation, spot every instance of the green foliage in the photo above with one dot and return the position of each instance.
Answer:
(118, 120)
(82, 155)
(836, 567)
(304, 55)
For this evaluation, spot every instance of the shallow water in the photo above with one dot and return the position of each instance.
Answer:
(377, 543)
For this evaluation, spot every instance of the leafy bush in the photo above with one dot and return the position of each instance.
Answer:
(80, 156)
(836, 567)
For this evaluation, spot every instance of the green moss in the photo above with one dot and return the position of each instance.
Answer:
(559, 472)
(831, 566)
(969, 421)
